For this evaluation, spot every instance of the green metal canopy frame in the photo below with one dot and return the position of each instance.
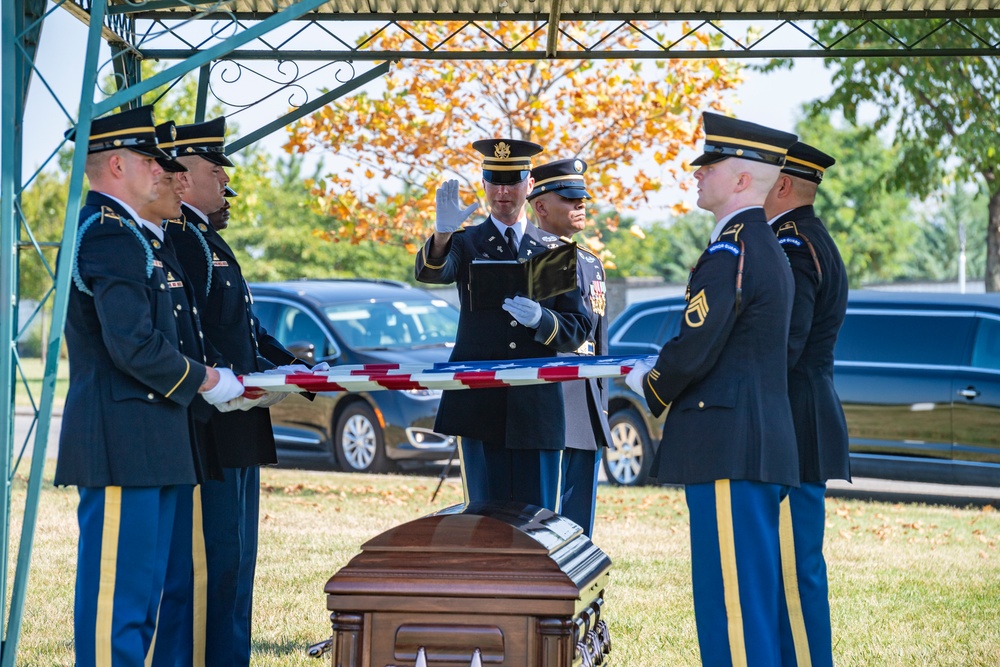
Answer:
(225, 40)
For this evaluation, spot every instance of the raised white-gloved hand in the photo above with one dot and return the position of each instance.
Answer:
(239, 403)
(227, 388)
(524, 310)
(448, 212)
(635, 377)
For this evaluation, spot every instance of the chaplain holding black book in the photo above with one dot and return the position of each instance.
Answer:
(511, 438)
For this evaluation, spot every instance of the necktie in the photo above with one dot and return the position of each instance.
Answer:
(511, 242)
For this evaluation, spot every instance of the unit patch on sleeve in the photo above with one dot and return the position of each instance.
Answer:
(723, 245)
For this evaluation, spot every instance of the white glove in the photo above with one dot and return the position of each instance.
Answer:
(637, 375)
(288, 370)
(272, 397)
(227, 388)
(321, 367)
(524, 310)
(448, 212)
(239, 403)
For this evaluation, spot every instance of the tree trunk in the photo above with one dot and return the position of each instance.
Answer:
(993, 245)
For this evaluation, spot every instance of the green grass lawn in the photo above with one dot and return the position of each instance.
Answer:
(910, 584)
(34, 373)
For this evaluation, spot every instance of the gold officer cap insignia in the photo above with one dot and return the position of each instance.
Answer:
(501, 150)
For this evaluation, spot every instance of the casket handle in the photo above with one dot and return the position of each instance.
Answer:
(319, 648)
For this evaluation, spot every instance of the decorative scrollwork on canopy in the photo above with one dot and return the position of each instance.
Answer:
(287, 76)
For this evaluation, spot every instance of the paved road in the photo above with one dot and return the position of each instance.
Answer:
(23, 427)
(863, 488)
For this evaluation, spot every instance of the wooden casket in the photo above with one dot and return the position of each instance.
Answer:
(512, 585)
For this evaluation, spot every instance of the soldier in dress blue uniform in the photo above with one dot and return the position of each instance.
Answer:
(559, 201)
(512, 438)
(130, 448)
(239, 441)
(728, 436)
(819, 309)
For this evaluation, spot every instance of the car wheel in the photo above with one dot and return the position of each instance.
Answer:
(358, 441)
(629, 457)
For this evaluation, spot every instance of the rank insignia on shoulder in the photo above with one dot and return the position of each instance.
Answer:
(789, 225)
(108, 213)
(789, 240)
(202, 227)
(697, 310)
(734, 230)
(723, 245)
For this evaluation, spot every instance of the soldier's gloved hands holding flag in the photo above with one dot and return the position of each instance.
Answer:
(227, 386)
(637, 375)
(448, 212)
(524, 310)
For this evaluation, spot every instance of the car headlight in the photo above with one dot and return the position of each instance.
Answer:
(423, 393)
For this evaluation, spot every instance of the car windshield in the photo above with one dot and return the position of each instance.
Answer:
(394, 325)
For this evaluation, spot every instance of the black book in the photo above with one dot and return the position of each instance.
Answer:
(544, 276)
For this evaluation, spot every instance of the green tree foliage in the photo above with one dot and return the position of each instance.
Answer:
(667, 248)
(944, 111)
(936, 255)
(43, 206)
(275, 230)
(867, 213)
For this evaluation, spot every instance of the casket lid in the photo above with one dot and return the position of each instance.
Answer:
(484, 550)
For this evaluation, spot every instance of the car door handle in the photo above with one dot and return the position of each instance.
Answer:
(969, 392)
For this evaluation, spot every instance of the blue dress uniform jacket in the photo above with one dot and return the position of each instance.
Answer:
(818, 312)
(129, 386)
(242, 438)
(529, 417)
(586, 401)
(724, 376)
(191, 341)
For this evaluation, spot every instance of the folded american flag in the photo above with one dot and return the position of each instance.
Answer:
(449, 375)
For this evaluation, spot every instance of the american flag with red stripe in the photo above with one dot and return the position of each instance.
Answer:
(449, 375)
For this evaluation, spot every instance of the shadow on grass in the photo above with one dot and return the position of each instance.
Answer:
(291, 648)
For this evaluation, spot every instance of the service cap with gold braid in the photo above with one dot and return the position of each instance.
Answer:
(133, 129)
(807, 162)
(506, 161)
(727, 137)
(564, 177)
(207, 140)
(165, 135)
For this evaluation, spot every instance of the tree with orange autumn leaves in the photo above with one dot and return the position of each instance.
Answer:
(627, 119)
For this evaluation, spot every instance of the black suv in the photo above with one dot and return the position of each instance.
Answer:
(918, 376)
(358, 322)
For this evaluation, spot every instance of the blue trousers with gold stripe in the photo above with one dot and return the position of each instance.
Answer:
(736, 571)
(230, 513)
(805, 606)
(491, 472)
(178, 641)
(125, 537)
(579, 487)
